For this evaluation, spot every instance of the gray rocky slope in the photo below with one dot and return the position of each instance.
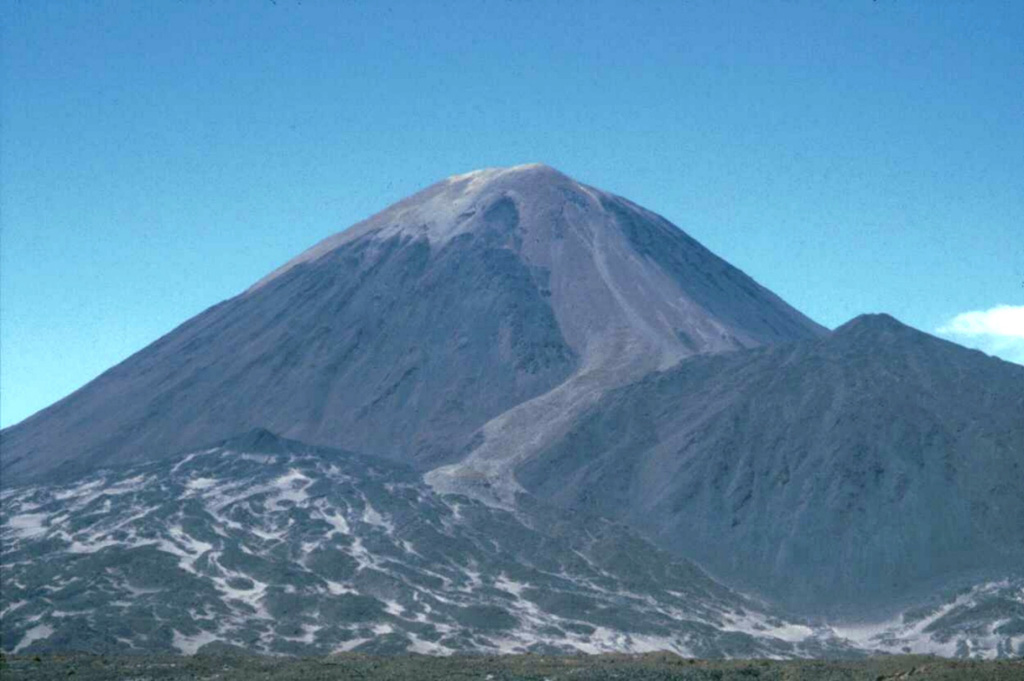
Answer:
(485, 311)
(278, 547)
(846, 475)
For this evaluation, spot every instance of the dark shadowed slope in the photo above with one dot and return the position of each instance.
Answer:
(422, 330)
(842, 475)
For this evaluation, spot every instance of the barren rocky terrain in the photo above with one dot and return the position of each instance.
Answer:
(231, 666)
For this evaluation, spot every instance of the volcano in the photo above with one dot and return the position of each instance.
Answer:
(540, 351)
(480, 315)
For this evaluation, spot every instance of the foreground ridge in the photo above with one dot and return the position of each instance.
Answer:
(285, 549)
(272, 546)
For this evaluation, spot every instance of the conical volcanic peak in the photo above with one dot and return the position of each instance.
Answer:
(871, 333)
(885, 336)
(455, 206)
(480, 315)
(873, 324)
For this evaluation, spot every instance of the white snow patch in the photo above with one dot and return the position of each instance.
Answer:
(372, 517)
(512, 587)
(196, 484)
(757, 625)
(350, 645)
(28, 525)
(126, 486)
(91, 546)
(36, 633)
(421, 647)
(292, 487)
(896, 635)
(337, 589)
(12, 607)
(78, 490)
(336, 521)
(189, 645)
(187, 548)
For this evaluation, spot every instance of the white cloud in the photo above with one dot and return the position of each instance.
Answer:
(1002, 320)
(998, 331)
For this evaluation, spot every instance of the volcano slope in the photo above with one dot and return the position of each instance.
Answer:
(847, 475)
(486, 311)
(277, 547)
(268, 545)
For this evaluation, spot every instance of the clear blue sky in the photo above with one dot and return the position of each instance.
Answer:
(158, 157)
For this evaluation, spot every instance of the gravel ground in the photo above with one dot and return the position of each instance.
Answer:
(231, 665)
